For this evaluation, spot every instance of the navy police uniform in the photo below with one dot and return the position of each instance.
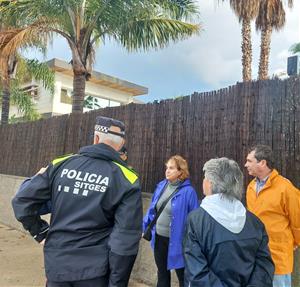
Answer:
(96, 216)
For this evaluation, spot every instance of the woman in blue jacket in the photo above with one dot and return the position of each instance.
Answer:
(168, 231)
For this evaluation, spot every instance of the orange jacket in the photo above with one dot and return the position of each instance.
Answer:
(278, 207)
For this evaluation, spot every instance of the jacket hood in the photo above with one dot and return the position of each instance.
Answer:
(102, 151)
(230, 213)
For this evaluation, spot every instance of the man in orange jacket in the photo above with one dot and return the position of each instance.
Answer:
(276, 201)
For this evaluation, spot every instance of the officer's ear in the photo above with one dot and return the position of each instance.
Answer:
(96, 139)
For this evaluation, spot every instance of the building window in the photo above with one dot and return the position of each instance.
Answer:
(90, 102)
(94, 103)
(101, 103)
(114, 103)
(66, 96)
(32, 91)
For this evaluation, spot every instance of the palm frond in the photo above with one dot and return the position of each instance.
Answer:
(246, 9)
(179, 9)
(295, 48)
(291, 3)
(153, 33)
(271, 13)
(24, 104)
(41, 72)
(15, 38)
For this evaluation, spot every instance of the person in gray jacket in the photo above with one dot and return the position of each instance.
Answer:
(225, 245)
(96, 213)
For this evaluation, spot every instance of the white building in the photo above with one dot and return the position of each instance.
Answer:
(103, 91)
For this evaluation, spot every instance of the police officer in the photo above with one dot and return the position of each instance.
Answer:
(96, 213)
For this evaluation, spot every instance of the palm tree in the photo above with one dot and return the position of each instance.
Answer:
(7, 73)
(13, 69)
(9, 58)
(30, 69)
(295, 48)
(246, 11)
(8, 65)
(136, 24)
(271, 16)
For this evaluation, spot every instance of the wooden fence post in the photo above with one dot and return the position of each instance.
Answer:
(296, 273)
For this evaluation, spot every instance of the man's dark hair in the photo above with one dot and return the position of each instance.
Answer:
(264, 152)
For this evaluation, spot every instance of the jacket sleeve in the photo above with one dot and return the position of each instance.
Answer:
(32, 195)
(146, 220)
(193, 200)
(293, 211)
(263, 271)
(46, 208)
(125, 236)
(127, 230)
(197, 272)
(120, 269)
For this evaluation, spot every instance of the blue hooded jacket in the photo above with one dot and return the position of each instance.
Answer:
(215, 256)
(182, 203)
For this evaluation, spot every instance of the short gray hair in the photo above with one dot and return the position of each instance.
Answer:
(225, 176)
(103, 137)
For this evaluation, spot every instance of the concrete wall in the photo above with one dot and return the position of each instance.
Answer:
(144, 269)
(8, 186)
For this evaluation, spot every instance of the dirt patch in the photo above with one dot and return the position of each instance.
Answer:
(21, 260)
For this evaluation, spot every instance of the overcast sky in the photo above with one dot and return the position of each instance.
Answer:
(206, 62)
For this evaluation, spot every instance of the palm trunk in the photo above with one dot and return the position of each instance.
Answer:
(5, 102)
(78, 92)
(246, 50)
(79, 78)
(264, 53)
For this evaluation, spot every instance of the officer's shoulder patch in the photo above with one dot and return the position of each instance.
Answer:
(130, 175)
(62, 158)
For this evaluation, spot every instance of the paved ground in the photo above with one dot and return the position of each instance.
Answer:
(21, 262)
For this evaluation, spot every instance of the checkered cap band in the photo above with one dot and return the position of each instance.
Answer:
(103, 125)
(102, 129)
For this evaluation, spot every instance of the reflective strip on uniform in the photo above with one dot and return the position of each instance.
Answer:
(60, 159)
(131, 176)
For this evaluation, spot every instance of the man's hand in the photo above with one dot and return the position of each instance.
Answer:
(43, 242)
(295, 247)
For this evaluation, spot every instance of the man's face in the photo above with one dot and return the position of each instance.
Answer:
(253, 166)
